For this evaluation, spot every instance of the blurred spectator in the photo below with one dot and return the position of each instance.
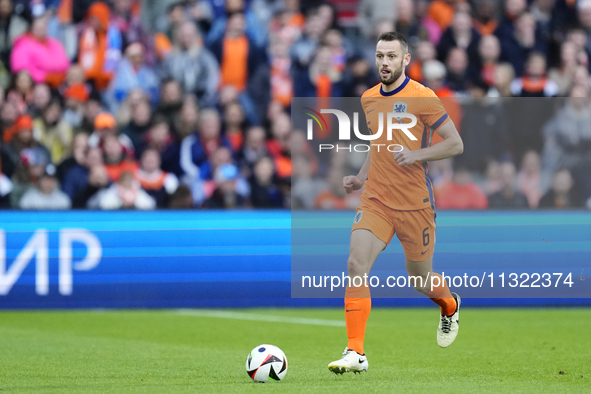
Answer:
(584, 9)
(20, 92)
(408, 23)
(195, 149)
(564, 74)
(362, 77)
(192, 65)
(280, 145)
(231, 7)
(77, 176)
(5, 189)
(264, 192)
(529, 178)
(43, 57)
(568, 140)
(141, 114)
(79, 152)
(371, 12)
(21, 137)
(237, 55)
(503, 78)
(489, 51)
(425, 51)
(222, 155)
(159, 138)
(92, 108)
(534, 82)
(88, 196)
(484, 129)
(303, 50)
(492, 178)
(562, 193)
(287, 23)
(542, 13)
(41, 98)
(306, 186)
(104, 126)
(253, 149)
(524, 40)
(157, 183)
(11, 27)
(126, 193)
(46, 195)
(458, 78)
(320, 79)
(226, 195)
(513, 9)
(434, 73)
(334, 195)
(76, 95)
(61, 25)
(116, 159)
(54, 132)
(234, 123)
(132, 73)
(181, 198)
(461, 35)
(127, 19)
(200, 12)
(508, 197)
(100, 46)
(34, 162)
(272, 80)
(340, 47)
(171, 100)
(124, 113)
(484, 17)
(442, 12)
(461, 193)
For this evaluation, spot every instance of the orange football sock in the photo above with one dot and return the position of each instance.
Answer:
(357, 308)
(442, 296)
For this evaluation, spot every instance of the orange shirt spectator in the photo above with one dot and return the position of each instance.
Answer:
(100, 46)
(461, 193)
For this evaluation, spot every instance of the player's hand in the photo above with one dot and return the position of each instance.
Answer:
(352, 183)
(405, 157)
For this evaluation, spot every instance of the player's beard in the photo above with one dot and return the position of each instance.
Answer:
(394, 75)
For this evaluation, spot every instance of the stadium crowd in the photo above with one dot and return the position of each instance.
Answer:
(152, 104)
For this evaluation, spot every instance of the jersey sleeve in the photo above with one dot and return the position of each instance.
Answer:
(433, 113)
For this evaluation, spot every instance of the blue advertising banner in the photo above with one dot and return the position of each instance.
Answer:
(169, 259)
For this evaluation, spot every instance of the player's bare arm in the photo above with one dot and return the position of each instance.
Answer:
(352, 182)
(451, 146)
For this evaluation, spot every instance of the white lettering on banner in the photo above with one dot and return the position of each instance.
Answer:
(38, 247)
(391, 124)
(93, 256)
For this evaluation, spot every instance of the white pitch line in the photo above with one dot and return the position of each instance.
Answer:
(217, 313)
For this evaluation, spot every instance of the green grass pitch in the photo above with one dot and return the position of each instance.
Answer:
(164, 351)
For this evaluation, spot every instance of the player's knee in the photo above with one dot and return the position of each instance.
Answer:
(356, 266)
(420, 284)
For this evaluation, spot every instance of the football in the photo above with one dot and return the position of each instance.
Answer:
(266, 363)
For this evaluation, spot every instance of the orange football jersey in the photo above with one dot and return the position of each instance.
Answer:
(401, 187)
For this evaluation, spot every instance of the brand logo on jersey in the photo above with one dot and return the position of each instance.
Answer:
(392, 120)
(358, 217)
(400, 108)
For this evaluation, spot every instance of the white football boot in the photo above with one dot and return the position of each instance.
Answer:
(350, 362)
(449, 325)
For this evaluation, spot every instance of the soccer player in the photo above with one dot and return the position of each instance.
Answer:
(398, 197)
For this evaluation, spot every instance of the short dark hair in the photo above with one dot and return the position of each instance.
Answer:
(394, 36)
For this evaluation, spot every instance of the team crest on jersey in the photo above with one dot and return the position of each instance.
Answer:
(358, 217)
(400, 107)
